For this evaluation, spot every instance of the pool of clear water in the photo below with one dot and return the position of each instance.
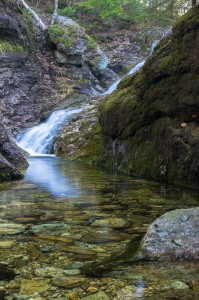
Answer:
(64, 214)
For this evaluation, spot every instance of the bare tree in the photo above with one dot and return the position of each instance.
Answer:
(40, 24)
(55, 13)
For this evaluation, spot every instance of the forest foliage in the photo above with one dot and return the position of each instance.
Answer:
(158, 12)
(117, 12)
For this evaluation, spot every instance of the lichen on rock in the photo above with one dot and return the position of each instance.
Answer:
(173, 236)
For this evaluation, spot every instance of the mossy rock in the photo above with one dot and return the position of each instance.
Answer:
(9, 48)
(143, 117)
(81, 139)
(69, 39)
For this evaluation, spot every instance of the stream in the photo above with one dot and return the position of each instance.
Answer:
(64, 215)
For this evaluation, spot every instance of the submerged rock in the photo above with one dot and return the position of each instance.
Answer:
(173, 235)
(33, 286)
(51, 229)
(68, 282)
(97, 296)
(111, 223)
(11, 228)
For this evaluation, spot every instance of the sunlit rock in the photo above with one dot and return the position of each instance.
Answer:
(173, 235)
(111, 222)
(97, 296)
(51, 229)
(11, 228)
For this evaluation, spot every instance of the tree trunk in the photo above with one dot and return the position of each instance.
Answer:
(193, 2)
(40, 24)
(55, 13)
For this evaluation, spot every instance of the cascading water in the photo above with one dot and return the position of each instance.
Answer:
(38, 139)
(131, 71)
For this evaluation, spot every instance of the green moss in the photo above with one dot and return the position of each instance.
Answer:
(64, 35)
(28, 26)
(56, 30)
(93, 148)
(91, 42)
(7, 47)
(112, 100)
(170, 62)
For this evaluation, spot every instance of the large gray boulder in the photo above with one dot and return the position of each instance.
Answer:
(173, 235)
(75, 47)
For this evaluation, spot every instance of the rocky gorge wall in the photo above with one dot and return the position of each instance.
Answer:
(41, 70)
(150, 123)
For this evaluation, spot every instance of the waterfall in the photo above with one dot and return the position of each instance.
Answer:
(113, 86)
(38, 140)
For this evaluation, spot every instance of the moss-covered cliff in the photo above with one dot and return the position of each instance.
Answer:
(150, 122)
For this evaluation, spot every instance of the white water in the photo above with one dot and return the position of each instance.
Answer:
(113, 86)
(38, 139)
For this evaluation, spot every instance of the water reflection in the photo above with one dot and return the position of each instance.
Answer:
(47, 173)
(63, 215)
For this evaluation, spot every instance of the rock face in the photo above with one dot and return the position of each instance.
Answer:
(81, 139)
(11, 157)
(75, 47)
(25, 80)
(150, 123)
(173, 235)
(39, 73)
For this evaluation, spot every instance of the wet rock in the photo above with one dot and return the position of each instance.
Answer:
(68, 282)
(28, 220)
(51, 229)
(173, 235)
(127, 293)
(72, 236)
(11, 229)
(97, 296)
(48, 272)
(6, 272)
(7, 244)
(75, 265)
(52, 215)
(72, 272)
(105, 237)
(80, 252)
(27, 209)
(72, 141)
(111, 222)
(30, 287)
(35, 252)
(92, 289)
(51, 238)
(172, 285)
